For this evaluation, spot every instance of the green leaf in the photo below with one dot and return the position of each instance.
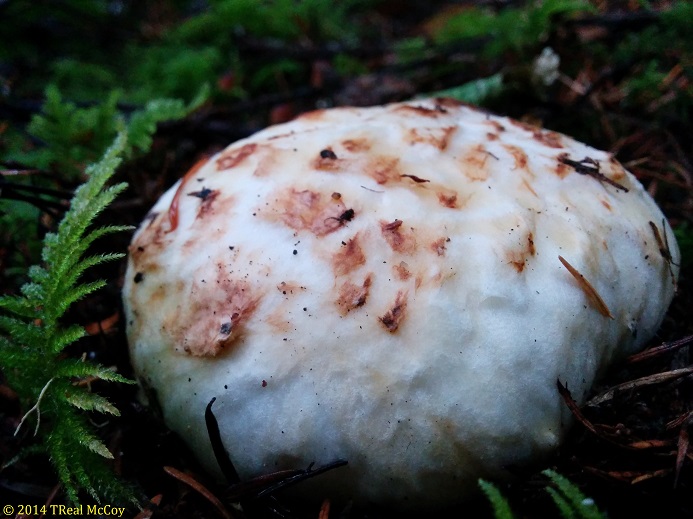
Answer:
(92, 402)
(569, 495)
(66, 336)
(501, 508)
(36, 337)
(79, 369)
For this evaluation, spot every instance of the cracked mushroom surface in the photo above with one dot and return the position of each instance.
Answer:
(398, 286)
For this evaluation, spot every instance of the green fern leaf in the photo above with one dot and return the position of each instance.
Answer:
(569, 495)
(501, 507)
(567, 511)
(92, 402)
(66, 336)
(74, 368)
(32, 358)
(96, 446)
(18, 305)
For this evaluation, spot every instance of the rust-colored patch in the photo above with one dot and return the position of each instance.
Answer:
(383, 169)
(618, 172)
(525, 126)
(232, 158)
(311, 211)
(496, 125)
(439, 247)
(518, 154)
(327, 160)
(492, 136)
(392, 319)
(438, 137)
(474, 163)
(400, 240)
(213, 316)
(518, 258)
(349, 257)
(592, 295)
(561, 169)
(546, 137)
(173, 208)
(549, 138)
(356, 145)
(422, 110)
(448, 198)
(530, 244)
(606, 204)
(402, 271)
(352, 296)
(207, 196)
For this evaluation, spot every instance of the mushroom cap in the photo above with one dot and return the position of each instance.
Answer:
(398, 286)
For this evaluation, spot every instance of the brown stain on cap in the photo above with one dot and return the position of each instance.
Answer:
(356, 145)
(519, 258)
(474, 163)
(545, 137)
(449, 198)
(173, 208)
(352, 296)
(327, 160)
(400, 240)
(402, 271)
(232, 158)
(207, 198)
(437, 137)
(439, 247)
(349, 257)
(310, 210)
(214, 316)
(518, 155)
(384, 169)
(392, 319)
(422, 111)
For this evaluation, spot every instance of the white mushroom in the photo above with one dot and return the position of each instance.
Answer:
(398, 286)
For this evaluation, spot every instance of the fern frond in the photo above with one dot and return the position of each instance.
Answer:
(32, 356)
(143, 123)
(501, 507)
(76, 270)
(91, 402)
(564, 507)
(20, 306)
(570, 500)
(74, 368)
(66, 336)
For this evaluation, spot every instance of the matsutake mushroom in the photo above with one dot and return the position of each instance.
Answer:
(398, 286)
